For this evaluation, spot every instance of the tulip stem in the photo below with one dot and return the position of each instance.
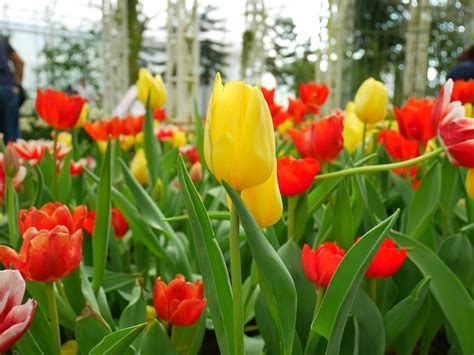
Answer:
(364, 133)
(53, 318)
(236, 276)
(55, 155)
(373, 288)
(291, 217)
(381, 167)
(12, 212)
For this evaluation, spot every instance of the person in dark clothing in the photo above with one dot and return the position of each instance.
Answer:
(464, 69)
(10, 88)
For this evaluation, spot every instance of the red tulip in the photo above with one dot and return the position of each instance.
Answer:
(280, 117)
(297, 110)
(320, 265)
(15, 318)
(455, 132)
(51, 215)
(313, 95)
(321, 140)
(398, 147)
(269, 95)
(409, 173)
(387, 261)
(46, 254)
(159, 114)
(190, 152)
(463, 91)
(414, 119)
(119, 223)
(295, 176)
(57, 109)
(180, 302)
(131, 125)
(101, 130)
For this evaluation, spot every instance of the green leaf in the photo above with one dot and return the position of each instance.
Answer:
(424, 202)
(452, 297)
(276, 284)
(118, 342)
(72, 287)
(344, 286)
(135, 312)
(456, 252)
(188, 339)
(152, 148)
(290, 254)
(101, 233)
(373, 202)
(402, 314)
(371, 337)
(211, 263)
(342, 221)
(321, 193)
(90, 329)
(154, 338)
(63, 187)
(199, 130)
(154, 217)
(27, 345)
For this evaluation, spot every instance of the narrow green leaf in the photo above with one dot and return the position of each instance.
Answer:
(199, 130)
(401, 315)
(276, 284)
(457, 253)
(424, 202)
(211, 263)
(27, 345)
(371, 337)
(452, 297)
(101, 233)
(135, 312)
(321, 193)
(90, 329)
(63, 187)
(154, 338)
(342, 220)
(151, 147)
(118, 342)
(344, 286)
(188, 339)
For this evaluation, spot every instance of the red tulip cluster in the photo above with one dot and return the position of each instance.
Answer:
(397, 146)
(321, 140)
(52, 242)
(414, 120)
(180, 302)
(15, 318)
(320, 265)
(311, 97)
(33, 150)
(191, 153)
(119, 223)
(463, 91)
(57, 109)
(114, 127)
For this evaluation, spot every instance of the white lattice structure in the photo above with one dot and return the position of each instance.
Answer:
(255, 17)
(417, 41)
(182, 59)
(114, 53)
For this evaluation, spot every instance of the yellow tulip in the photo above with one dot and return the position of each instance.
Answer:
(70, 348)
(350, 108)
(127, 142)
(285, 126)
(353, 132)
(102, 146)
(83, 116)
(468, 110)
(239, 141)
(147, 85)
(178, 139)
(65, 138)
(264, 201)
(470, 183)
(371, 101)
(138, 167)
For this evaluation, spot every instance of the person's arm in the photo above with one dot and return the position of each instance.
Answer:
(18, 64)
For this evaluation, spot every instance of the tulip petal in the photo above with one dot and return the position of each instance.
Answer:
(188, 312)
(16, 323)
(12, 289)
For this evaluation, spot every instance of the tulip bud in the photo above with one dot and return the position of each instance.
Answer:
(196, 172)
(264, 201)
(239, 142)
(150, 90)
(371, 101)
(138, 167)
(12, 161)
(470, 183)
(158, 190)
(353, 132)
(71, 347)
